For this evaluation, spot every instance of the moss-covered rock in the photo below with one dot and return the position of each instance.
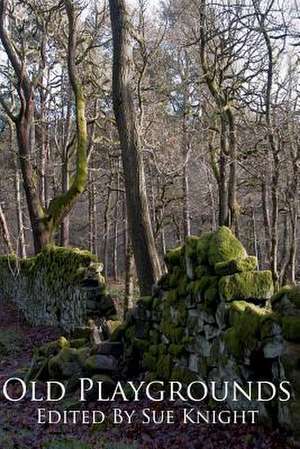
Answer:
(256, 285)
(175, 257)
(287, 301)
(183, 375)
(203, 245)
(237, 265)
(66, 363)
(291, 328)
(249, 326)
(224, 246)
(100, 363)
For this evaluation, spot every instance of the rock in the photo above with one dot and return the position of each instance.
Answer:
(109, 348)
(224, 246)
(101, 363)
(95, 337)
(287, 301)
(53, 347)
(78, 343)
(81, 332)
(107, 387)
(270, 328)
(273, 347)
(202, 346)
(291, 328)
(222, 315)
(211, 331)
(256, 285)
(67, 362)
(193, 363)
(206, 317)
(238, 265)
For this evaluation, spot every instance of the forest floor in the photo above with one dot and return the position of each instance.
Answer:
(18, 420)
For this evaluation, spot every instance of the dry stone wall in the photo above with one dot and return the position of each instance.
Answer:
(214, 317)
(59, 286)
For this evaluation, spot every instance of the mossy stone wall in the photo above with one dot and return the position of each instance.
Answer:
(211, 318)
(59, 286)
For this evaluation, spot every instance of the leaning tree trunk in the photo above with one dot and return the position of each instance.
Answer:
(45, 221)
(141, 234)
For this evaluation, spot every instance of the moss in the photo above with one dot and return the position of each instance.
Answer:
(183, 283)
(291, 328)
(174, 277)
(130, 333)
(146, 301)
(224, 246)
(118, 333)
(162, 349)
(78, 343)
(201, 285)
(292, 293)
(154, 336)
(156, 303)
(211, 296)
(203, 245)
(183, 375)
(201, 270)
(232, 341)
(53, 347)
(176, 350)
(256, 285)
(174, 257)
(172, 332)
(140, 344)
(237, 265)
(282, 291)
(153, 349)
(149, 361)
(191, 243)
(164, 367)
(247, 322)
(172, 296)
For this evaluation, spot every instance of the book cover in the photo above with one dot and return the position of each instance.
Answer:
(149, 205)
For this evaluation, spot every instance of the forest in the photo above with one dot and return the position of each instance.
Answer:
(125, 133)
(149, 210)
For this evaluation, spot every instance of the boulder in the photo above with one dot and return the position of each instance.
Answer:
(100, 363)
(287, 301)
(238, 265)
(249, 286)
(68, 362)
(224, 246)
(109, 348)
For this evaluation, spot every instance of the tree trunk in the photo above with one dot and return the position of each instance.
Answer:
(5, 232)
(145, 253)
(185, 181)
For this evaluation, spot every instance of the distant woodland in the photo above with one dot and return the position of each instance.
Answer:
(125, 127)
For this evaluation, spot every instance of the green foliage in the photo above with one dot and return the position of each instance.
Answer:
(224, 246)
(256, 285)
